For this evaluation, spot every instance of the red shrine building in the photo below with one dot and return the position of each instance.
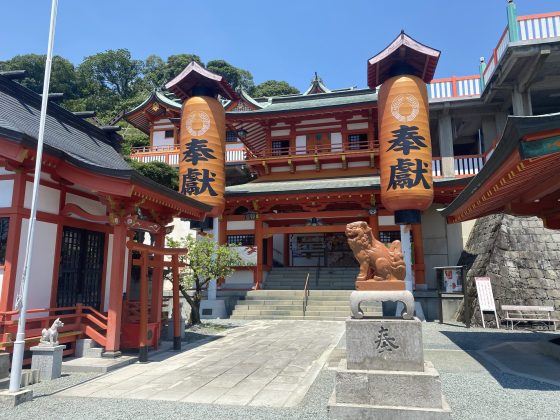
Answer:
(300, 167)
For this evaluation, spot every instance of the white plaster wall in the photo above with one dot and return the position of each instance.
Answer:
(280, 169)
(386, 220)
(358, 126)
(159, 139)
(42, 264)
(240, 224)
(331, 166)
(108, 273)
(49, 198)
(336, 142)
(280, 133)
(319, 121)
(466, 228)
(306, 167)
(3, 171)
(242, 279)
(6, 192)
(301, 143)
(89, 205)
(357, 164)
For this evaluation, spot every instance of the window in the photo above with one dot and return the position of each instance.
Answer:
(388, 236)
(243, 240)
(357, 141)
(280, 147)
(4, 224)
(169, 133)
(231, 136)
(81, 268)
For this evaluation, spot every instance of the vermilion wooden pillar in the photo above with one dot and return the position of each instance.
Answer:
(419, 267)
(373, 222)
(176, 305)
(260, 251)
(143, 327)
(157, 279)
(116, 288)
(222, 230)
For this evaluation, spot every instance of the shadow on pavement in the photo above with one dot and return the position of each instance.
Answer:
(515, 360)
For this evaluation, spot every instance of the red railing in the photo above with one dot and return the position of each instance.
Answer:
(78, 320)
(170, 154)
(315, 150)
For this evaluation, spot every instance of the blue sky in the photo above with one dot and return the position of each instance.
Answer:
(284, 39)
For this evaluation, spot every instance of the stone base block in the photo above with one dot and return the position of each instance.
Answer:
(111, 354)
(389, 388)
(384, 344)
(212, 309)
(12, 399)
(82, 345)
(365, 411)
(48, 360)
(4, 365)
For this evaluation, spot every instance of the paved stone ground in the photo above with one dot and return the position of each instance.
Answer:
(474, 387)
(270, 363)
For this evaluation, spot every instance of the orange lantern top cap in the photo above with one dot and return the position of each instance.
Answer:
(404, 55)
(195, 77)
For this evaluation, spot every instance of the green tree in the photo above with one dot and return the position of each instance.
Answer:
(207, 261)
(177, 63)
(274, 88)
(236, 77)
(114, 70)
(132, 137)
(63, 75)
(159, 172)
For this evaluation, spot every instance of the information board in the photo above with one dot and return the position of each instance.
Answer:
(485, 298)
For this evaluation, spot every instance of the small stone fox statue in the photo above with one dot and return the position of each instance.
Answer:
(49, 336)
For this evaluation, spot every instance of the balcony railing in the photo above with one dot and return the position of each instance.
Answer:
(463, 165)
(170, 154)
(281, 153)
(454, 87)
(531, 27)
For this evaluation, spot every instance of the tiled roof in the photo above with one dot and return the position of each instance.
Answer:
(80, 142)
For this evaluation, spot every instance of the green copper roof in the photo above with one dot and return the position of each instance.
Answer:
(314, 101)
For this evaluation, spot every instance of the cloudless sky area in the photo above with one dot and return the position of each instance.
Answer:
(283, 39)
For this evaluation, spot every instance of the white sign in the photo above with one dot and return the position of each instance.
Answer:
(485, 298)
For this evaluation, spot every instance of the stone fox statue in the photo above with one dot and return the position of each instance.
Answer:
(50, 336)
(386, 263)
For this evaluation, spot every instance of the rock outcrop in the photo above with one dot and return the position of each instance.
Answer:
(521, 257)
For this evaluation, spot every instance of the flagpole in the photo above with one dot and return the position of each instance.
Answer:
(19, 344)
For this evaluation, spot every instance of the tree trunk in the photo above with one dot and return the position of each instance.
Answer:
(194, 304)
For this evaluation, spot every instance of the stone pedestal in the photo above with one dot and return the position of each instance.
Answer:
(4, 365)
(212, 309)
(384, 375)
(47, 360)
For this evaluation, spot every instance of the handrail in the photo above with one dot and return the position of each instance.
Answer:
(319, 149)
(305, 293)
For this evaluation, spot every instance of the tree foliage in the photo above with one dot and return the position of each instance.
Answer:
(159, 172)
(236, 77)
(207, 261)
(274, 88)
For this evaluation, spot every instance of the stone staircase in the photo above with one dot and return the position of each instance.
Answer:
(332, 305)
(326, 278)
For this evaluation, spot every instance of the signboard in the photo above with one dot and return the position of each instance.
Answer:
(485, 298)
(452, 280)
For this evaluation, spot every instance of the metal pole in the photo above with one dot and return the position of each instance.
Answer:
(19, 344)
(407, 254)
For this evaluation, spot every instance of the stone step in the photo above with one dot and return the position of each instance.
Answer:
(94, 352)
(249, 317)
(268, 312)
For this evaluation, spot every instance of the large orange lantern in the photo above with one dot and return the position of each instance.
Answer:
(201, 161)
(405, 148)
(202, 171)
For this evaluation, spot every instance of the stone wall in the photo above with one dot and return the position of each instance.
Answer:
(521, 257)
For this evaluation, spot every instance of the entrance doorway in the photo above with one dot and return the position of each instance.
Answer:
(81, 268)
(321, 249)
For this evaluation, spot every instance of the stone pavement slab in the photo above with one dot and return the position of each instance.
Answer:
(263, 363)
